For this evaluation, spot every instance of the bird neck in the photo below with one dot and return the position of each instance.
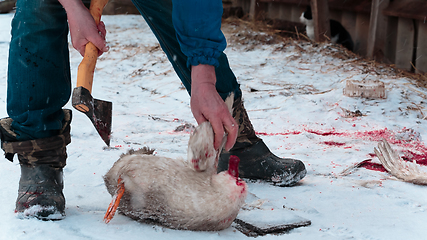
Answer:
(233, 166)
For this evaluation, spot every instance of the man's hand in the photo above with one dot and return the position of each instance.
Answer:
(83, 28)
(207, 105)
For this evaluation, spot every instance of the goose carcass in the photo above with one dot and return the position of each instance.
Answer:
(175, 193)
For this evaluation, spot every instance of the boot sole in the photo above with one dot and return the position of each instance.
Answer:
(41, 213)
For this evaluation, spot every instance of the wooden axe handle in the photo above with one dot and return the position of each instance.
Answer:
(87, 66)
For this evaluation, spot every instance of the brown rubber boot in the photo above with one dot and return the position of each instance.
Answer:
(42, 160)
(257, 161)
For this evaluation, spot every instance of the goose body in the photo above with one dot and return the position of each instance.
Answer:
(179, 194)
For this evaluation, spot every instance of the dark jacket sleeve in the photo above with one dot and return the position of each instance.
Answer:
(198, 28)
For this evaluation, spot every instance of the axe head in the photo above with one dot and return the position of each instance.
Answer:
(98, 111)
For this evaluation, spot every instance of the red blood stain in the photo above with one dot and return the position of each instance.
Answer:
(227, 220)
(417, 153)
(233, 170)
(195, 163)
(330, 143)
(372, 135)
(335, 164)
(372, 166)
(419, 158)
(323, 133)
(241, 183)
(233, 165)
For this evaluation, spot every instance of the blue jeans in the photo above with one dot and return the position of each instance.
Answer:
(39, 82)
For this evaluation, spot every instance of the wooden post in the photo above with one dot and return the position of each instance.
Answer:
(252, 10)
(348, 20)
(362, 29)
(273, 10)
(377, 30)
(296, 12)
(391, 40)
(405, 43)
(286, 12)
(421, 57)
(245, 4)
(320, 12)
(256, 9)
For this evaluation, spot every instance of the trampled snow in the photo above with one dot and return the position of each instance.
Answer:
(294, 96)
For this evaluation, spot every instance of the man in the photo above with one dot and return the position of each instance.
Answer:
(39, 85)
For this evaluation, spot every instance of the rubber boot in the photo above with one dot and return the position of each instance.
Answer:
(42, 161)
(40, 192)
(256, 160)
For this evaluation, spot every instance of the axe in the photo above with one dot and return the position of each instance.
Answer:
(98, 111)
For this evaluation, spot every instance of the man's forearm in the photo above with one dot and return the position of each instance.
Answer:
(203, 73)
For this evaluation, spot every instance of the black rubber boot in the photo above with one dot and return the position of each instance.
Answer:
(42, 160)
(256, 160)
(40, 192)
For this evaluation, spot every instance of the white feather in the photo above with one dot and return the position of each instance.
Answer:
(403, 170)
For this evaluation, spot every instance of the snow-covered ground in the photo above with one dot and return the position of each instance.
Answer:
(294, 95)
